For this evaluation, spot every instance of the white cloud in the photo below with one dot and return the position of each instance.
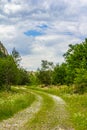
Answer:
(47, 37)
(7, 31)
(2, 16)
(83, 28)
(11, 8)
(32, 62)
(66, 23)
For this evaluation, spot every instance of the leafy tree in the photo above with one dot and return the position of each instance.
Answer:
(45, 65)
(80, 81)
(33, 78)
(45, 73)
(76, 58)
(8, 71)
(76, 55)
(59, 74)
(23, 77)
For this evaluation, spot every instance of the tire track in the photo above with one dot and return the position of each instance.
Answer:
(61, 114)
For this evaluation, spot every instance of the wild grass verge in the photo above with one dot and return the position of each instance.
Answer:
(13, 101)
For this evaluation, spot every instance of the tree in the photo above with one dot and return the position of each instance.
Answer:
(59, 74)
(8, 71)
(16, 56)
(45, 73)
(80, 81)
(45, 65)
(23, 77)
(33, 78)
(76, 58)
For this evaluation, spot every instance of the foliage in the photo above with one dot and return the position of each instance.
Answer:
(45, 73)
(14, 101)
(59, 74)
(46, 65)
(76, 58)
(33, 78)
(23, 77)
(8, 71)
(2, 55)
(45, 77)
(80, 81)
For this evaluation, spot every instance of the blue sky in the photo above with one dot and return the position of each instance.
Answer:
(33, 33)
(42, 29)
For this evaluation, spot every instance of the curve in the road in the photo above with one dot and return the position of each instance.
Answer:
(55, 118)
(55, 115)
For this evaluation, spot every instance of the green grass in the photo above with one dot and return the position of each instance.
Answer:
(13, 101)
(77, 105)
(78, 109)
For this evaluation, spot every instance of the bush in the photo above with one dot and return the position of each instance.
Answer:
(81, 81)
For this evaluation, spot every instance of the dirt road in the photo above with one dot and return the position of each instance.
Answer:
(48, 117)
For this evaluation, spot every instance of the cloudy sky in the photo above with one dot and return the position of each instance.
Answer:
(42, 29)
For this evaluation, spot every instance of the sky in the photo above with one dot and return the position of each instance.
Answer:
(42, 29)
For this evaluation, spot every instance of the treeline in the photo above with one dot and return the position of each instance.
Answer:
(10, 71)
(73, 72)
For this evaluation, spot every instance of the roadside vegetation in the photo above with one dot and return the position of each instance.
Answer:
(13, 101)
